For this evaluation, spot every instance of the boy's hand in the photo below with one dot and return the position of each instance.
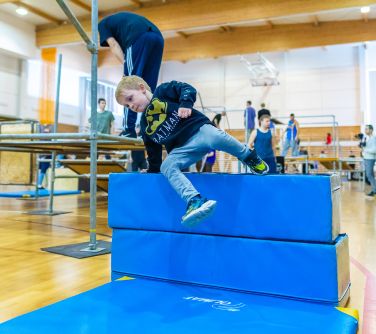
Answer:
(184, 112)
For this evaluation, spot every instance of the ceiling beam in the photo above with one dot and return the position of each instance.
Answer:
(214, 43)
(182, 34)
(136, 3)
(7, 1)
(269, 24)
(38, 12)
(263, 39)
(184, 15)
(81, 4)
(365, 17)
(315, 20)
(225, 28)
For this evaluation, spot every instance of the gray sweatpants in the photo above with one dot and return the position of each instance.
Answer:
(206, 139)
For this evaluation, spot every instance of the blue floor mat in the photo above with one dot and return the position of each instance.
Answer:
(160, 307)
(41, 193)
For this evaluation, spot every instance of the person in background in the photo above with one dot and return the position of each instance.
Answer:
(369, 157)
(217, 119)
(323, 154)
(264, 111)
(249, 118)
(105, 120)
(350, 174)
(210, 161)
(292, 137)
(137, 44)
(139, 162)
(43, 166)
(328, 139)
(304, 151)
(263, 141)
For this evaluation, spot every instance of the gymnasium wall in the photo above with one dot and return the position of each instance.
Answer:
(17, 37)
(17, 44)
(313, 81)
(20, 81)
(10, 73)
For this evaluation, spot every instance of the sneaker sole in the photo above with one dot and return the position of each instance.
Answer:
(203, 212)
(261, 173)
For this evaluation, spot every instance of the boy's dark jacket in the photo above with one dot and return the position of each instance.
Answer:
(161, 125)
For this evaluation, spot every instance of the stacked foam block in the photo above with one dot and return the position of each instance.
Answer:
(275, 235)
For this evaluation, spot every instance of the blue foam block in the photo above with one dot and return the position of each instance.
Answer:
(308, 271)
(146, 306)
(41, 193)
(285, 207)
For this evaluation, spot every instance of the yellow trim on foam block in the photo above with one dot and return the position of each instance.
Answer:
(125, 278)
(350, 311)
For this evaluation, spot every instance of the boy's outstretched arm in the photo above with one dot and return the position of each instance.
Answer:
(179, 92)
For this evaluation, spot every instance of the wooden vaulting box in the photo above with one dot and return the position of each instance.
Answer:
(15, 168)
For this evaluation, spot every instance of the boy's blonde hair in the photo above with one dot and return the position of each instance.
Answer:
(130, 82)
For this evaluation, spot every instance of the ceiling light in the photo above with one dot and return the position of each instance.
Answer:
(21, 11)
(365, 10)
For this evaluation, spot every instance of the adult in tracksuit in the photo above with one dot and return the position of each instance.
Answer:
(369, 157)
(138, 44)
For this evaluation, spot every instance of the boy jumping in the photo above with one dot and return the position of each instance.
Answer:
(169, 119)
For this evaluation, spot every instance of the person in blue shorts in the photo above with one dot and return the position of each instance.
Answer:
(262, 140)
(292, 137)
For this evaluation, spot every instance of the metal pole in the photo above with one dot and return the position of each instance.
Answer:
(37, 176)
(120, 138)
(37, 162)
(91, 45)
(37, 166)
(46, 136)
(52, 136)
(82, 160)
(308, 116)
(56, 120)
(93, 128)
(202, 104)
(82, 176)
(246, 134)
(338, 147)
(57, 97)
(334, 136)
(18, 122)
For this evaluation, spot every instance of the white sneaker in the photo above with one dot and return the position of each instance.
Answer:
(198, 209)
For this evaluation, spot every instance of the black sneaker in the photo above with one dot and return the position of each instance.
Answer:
(128, 133)
(371, 194)
(198, 209)
(256, 164)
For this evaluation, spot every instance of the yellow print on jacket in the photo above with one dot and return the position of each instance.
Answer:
(155, 115)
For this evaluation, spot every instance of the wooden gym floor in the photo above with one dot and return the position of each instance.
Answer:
(31, 278)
